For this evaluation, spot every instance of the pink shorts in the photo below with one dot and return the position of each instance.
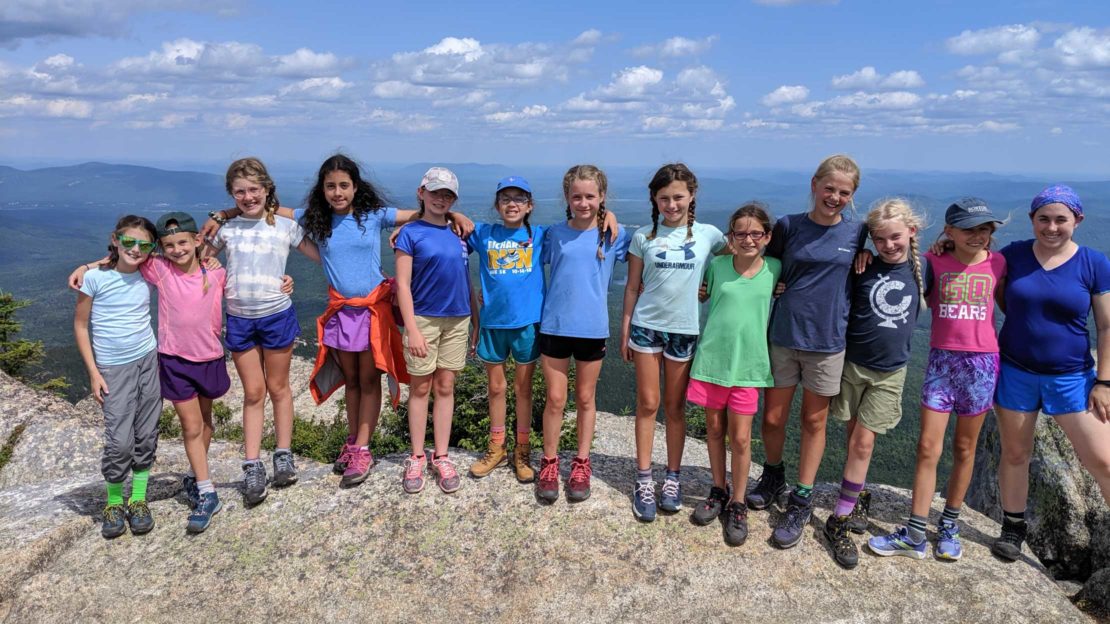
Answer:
(739, 400)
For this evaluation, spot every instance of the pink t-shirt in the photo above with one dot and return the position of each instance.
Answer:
(962, 300)
(189, 319)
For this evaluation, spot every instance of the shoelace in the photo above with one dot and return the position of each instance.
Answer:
(550, 472)
(446, 468)
(947, 532)
(1012, 535)
(284, 462)
(645, 492)
(202, 506)
(344, 455)
(113, 513)
(413, 468)
(359, 461)
(255, 477)
(670, 488)
(139, 509)
(795, 515)
(580, 471)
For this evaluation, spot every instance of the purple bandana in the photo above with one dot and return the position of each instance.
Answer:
(1057, 194)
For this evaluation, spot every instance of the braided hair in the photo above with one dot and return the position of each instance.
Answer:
(252, 169)
(898, 209)
(665, 176)
(597, 176)
(125, 223)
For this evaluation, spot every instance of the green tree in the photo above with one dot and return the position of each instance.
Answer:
(18, 354)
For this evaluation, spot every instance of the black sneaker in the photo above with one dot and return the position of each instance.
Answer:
(793, 522)
(771, 486)
(1008, 545)
(189, 487)
(254, 482)
(736, 524)
(710, 509)
(285, 471)
(114, 521)
(844, 549)
(857, 520)
(139, 517)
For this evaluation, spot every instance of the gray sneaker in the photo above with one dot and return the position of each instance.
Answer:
(793, 522)
(285, 471)
(254, 482)
(189, 487)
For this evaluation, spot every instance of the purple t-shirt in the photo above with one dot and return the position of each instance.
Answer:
(440, 269)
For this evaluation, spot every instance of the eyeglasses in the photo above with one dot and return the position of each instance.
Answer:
(252, 191)
(127, 242)
(755, 236)
(506, 200)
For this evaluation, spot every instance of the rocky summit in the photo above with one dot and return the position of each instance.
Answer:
(490, 552)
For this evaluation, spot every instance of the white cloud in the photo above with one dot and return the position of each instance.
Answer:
(1084, 48)
(35, 107)
(786, 94)
(631, 83)
(398, 89)
(320, 88)
(588, 38)
(582, 103)
(676, 47)
(306, 63)
(185, 57)
(528, 112)
(402, 122)
(869, 79)
(994, 40)
(875, 101)
(466, 62)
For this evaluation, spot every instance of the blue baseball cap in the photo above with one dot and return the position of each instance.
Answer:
(514, 182)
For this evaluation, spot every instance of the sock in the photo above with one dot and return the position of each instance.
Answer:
(523, 430)
(434, 456)
(497, 435)
(802, 490)
(1014, 517)
(281, 450)
(916, 528)
(643, 475)
(248, 462)
(138, 485)
(350, 440)
(950, 515)
(206, 487)
(774, 467)
(674, 473)
(115, 493)
(190, 473)
(849, 494)
(420, 456)
(364, 448)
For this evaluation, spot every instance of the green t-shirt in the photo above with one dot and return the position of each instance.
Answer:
(733, 347)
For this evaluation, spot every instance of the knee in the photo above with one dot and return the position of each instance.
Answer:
(813, 423)
(370, 384)
(648, 405)
(278, 389)
(963, 450)
(1016, 454)
(714, 429)
(556, 400)
(255, 394)
(861, 446)
(584, 401)
(928, 451)
(420, 388)
(498, 388)
(444, 386)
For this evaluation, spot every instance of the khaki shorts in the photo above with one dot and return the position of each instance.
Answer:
(873, 397)
(446, 337)
(818, 372)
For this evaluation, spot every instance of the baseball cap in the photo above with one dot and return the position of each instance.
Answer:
(181, 222)
(969, 212)
(514, 182)
(440, 178)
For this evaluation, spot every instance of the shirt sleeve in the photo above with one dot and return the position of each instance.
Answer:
(717, 240)
(296, 232)
(777, 245)
(91, 283)
(1100, 269)
(298, 215)
(389, 217)
(150, 270)
(710, 276)
(928, 276)
(623, 242)
(405, 241)
(636, 247)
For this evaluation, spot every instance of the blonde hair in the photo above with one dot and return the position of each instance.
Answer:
(252, 169)
(597, 176)
(899, 209)
(839, 163)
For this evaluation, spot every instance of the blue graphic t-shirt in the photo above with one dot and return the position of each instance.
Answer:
(885, 304)
(577, 293)
(352, 257)
(440, 269)
(510, 267)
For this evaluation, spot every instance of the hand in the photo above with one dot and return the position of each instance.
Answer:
(286, 285)
(98, 388)
(209, 230)
(461, 224)
(1099, 402)
(393, 237)
(418, 347)
(626, 351)
(77, 278)
(478, 299)
(473, 350)
(779, 289)
(941, 246)
(211, 263)
(611, 226)
(863, 258)
(703, 292)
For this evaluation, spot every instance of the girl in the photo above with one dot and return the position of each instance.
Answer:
(261, 322)
(119, 355)
(732, 361)
(433, 292)
(960, 377)
(1052, 285)
(807, 336)
(660, 327)
(886, 299)
(576, 322)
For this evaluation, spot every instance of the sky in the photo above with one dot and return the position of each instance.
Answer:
(1021, 86)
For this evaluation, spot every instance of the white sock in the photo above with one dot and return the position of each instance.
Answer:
(206, 486)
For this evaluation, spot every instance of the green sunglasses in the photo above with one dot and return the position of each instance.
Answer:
(130, 241)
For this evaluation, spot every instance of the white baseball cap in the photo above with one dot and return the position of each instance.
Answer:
(440, 178)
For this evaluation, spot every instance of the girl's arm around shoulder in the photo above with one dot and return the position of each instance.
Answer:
(77, 277)
(309, 249)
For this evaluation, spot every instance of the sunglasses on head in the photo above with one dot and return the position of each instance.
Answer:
(127, 242)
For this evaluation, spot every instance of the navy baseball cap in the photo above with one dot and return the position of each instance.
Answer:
(968, 213)
(514, 182)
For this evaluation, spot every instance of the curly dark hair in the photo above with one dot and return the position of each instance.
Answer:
(318, 214)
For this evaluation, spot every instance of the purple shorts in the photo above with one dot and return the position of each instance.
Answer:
(183, 380)
(276, 331)
(348, 330)
(959, 381)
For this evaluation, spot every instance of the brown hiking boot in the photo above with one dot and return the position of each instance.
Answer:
(495, 456)
(522, 465)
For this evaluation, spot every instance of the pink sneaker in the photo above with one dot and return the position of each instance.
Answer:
(358, 467)
(340, 465)
(447, 477)
(413, 478)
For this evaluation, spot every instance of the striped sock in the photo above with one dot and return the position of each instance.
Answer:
(138, 485)
(803, 491)
(1014, 517)
(849, 494)
(497, 435)
(115, 493)
(949, 514)
(643, 475)
(206, 486)
(916, 528)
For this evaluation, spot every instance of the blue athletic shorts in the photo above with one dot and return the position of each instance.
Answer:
(495, 344)
(1055, 395)
(675, 347)
(276, 331)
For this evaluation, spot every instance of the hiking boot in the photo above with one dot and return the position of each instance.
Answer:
(285, 471)
(857, 520)
(670, 500)
(547, 486)
(114, 521)
(844, 549)
(897, 543)
(412, 479)
(578, 485)
(736, 524)
(340, 465)
(643, 500)
(495, 456)
(358, 467)
(771, 487)
(189, 487)
(711, 508)
(139, 517)
(522, 462)
(207, 507)
(792, 524)
(447, 476)
(254, 482)
(1008, 545)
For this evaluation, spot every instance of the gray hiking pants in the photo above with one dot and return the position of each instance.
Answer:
(131, 411)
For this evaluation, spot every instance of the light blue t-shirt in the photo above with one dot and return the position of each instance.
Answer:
(510, 267)
(577, 291)
(120, 319)
(352, 257)
(673, 268)
(440, 269)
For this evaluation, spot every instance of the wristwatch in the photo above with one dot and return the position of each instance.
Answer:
(217, 216)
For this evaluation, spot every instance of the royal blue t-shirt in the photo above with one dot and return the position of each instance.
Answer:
(577, 293)
(885, 304)
(510, 267)
(1045, 330)
(352, 256)
(812, 314)
(440, 269)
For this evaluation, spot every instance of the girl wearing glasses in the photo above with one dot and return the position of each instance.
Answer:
(732, 362)
(659, 328)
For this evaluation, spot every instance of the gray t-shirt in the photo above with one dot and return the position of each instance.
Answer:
(256, 255)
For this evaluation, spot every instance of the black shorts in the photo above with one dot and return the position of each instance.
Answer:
(581, 349)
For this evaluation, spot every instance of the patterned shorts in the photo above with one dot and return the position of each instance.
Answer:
(960, 381)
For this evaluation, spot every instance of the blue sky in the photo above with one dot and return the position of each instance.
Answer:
(1019, 86)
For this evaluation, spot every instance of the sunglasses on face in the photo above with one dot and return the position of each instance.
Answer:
(127, 242)
(755, 236)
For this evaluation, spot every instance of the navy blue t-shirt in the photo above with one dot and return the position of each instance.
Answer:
(885, 304)
(1045, 330)
(812, 314)
(440, 269)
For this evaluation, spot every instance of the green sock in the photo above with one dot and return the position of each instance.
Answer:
(138, 485)
(804, 491)
(115, 493)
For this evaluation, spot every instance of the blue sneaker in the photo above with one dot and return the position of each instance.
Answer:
(643, 500)
(948, 541)
(897, 543)
(793, 522)
(208, 506)
(189, 487)
(671, 499)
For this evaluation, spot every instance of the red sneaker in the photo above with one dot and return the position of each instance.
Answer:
(578, 485)
(547, 486)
